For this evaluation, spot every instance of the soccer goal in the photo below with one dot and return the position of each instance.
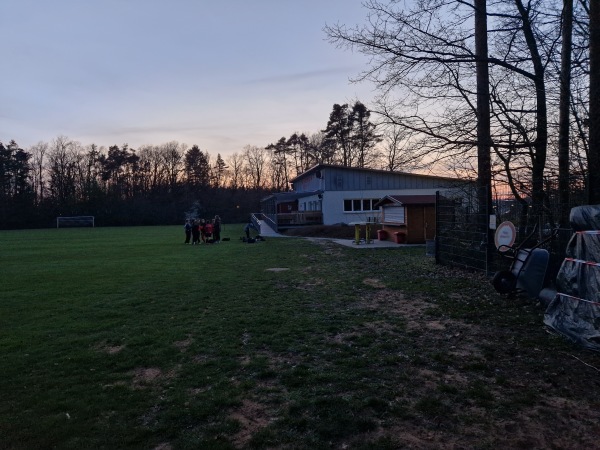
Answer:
(76, 221)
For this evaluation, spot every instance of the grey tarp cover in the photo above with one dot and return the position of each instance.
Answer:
(575, 310)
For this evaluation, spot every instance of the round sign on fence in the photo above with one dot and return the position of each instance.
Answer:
(505, 236)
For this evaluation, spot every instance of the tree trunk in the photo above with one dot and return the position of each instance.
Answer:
(484, 139)
(541, 141)
(594, 139)
(564, 107)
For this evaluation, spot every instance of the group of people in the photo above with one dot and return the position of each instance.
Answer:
(201, 231)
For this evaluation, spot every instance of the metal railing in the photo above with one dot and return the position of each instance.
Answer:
(300, 218)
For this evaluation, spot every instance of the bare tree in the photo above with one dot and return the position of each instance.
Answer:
(398, 151)
(38, 152)
(62, 163)
(423, 62)
(172, 154)
(594, 121)
(484, 137)
(256, 164)
(235, 162)
(564, 125)
(88, 171)
(280, 164)
(152, 171)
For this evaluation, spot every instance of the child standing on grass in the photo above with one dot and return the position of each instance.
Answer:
(196, 232)
(203, 230)
(208, 230)
(217, 229)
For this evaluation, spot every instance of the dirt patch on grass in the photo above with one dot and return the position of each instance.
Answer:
(108, 348)
(146, 375)
(252, 417)
(329, 248)
(184, 344)
(164, 446)
(374, 282)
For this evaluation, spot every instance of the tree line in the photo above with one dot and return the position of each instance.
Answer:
(161, 184)
(508, 102)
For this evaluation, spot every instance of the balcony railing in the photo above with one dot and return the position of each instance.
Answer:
(300, 218)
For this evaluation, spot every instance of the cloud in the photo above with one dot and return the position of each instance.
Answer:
(302, 76)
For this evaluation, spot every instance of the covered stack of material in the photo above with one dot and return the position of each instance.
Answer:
(575, 310)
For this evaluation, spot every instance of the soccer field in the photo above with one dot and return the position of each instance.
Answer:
(127, 338)
(108, 334)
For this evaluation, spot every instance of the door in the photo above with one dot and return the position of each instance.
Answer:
(415, 225)
(420, 223)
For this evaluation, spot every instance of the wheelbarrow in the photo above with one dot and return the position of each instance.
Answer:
(527, 272)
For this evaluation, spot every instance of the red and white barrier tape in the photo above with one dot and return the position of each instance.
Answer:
(571, 297)
(581, 261)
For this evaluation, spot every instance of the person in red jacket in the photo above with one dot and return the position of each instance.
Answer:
(208, 230)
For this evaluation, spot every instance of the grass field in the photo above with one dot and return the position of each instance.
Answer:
(126, 338)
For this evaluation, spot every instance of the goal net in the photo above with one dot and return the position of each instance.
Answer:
(76, 221)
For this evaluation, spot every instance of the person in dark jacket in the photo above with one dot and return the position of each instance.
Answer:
(196, 232)
(203, 230)
(248, 227)
(217, 229)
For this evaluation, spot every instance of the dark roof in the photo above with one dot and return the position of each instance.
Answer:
(406, 200)
(282, 197)
(362, 169)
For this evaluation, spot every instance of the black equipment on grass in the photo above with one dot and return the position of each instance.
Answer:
(527, 271)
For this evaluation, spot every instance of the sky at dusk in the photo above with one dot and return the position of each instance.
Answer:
(220, 74)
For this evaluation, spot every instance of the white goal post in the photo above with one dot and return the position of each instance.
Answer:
(75, 221)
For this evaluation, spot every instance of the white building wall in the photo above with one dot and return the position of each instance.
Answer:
(309, 183)
(310, 203)
(333, 203)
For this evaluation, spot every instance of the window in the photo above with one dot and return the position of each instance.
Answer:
(394, 214)
(358, 205)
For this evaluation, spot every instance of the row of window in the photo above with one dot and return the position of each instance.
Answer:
(364, 204)
(310, 206)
